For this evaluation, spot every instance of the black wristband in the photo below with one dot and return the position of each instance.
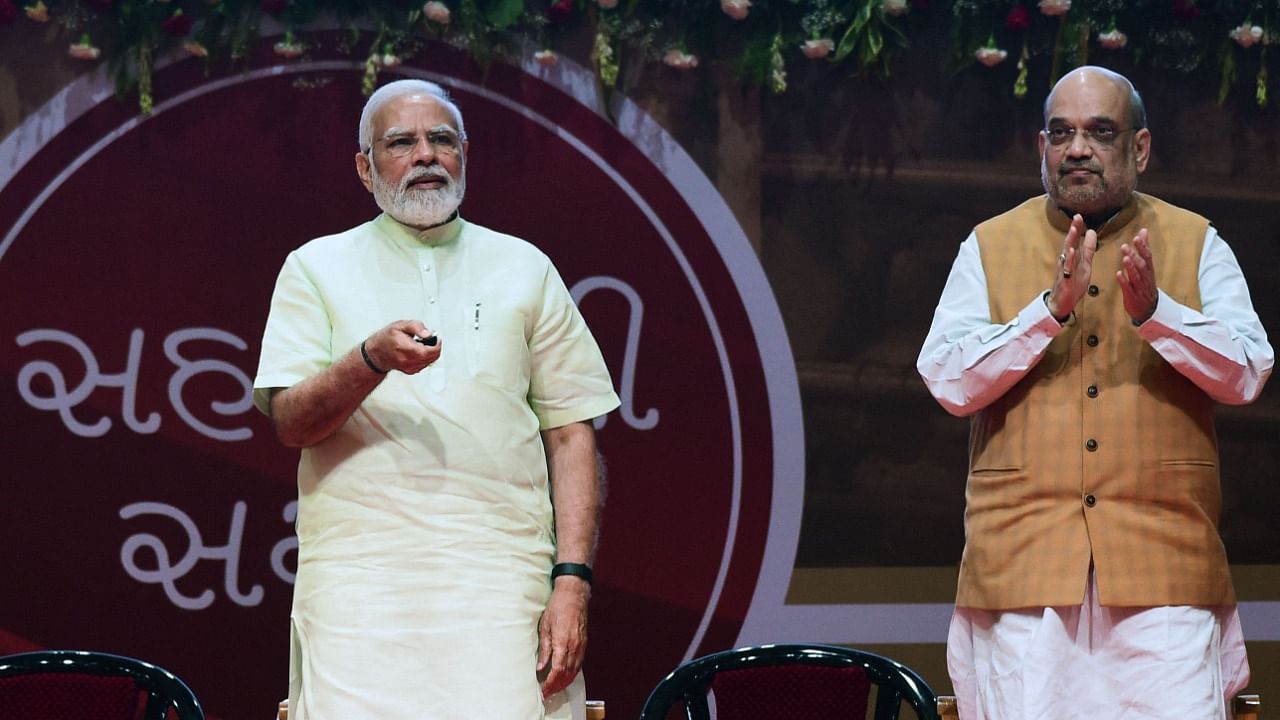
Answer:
(365, 354)
(574, 569)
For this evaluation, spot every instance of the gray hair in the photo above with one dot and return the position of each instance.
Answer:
(400, 88)
(1137, 109)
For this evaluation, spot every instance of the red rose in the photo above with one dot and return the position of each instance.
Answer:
(99, 5)
(1185, 9)
(177, 24)
(1018, 19)
(274, 7)
(8, 11)
(560, 10)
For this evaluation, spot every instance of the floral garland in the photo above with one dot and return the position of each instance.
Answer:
(762, 36)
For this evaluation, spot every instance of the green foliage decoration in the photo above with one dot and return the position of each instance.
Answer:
(763, 39)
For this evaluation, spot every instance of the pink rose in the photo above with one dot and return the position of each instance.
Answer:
(1112, 39)
(895, 7)
(437, 12)
(1055, 7)
(680, 60)
(990, 56)
(736, 9)
(84, 51)
(1246, 35)
(817, 49)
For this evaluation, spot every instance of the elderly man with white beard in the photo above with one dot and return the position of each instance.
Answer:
(441, 384)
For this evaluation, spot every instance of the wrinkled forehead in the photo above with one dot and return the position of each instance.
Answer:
(1086, 97)
(415, 112)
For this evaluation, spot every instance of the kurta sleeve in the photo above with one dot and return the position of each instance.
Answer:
(297, 341)
(569, 381)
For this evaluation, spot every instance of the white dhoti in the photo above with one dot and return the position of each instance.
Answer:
(1089, 661)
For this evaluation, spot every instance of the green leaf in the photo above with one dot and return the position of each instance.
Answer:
(1228, 77)
(875, 41)
(502, 14)
(851, 36)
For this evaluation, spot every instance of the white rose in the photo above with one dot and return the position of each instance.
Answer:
(990, 56)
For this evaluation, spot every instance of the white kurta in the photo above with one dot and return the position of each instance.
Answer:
(424, 523)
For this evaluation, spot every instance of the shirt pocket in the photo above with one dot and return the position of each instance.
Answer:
(497, 351)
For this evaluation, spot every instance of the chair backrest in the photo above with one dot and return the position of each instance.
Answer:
(775, 682)
(74, 684)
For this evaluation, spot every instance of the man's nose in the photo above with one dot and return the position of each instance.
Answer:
(423, 151)
(1079, 146)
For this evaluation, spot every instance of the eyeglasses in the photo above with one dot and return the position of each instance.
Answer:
(441, 141)
(1098, 136)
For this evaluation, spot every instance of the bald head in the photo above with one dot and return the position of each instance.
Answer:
(1093, 76)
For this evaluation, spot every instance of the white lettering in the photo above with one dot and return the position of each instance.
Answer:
(65, 400)
(285, 546)
(188, 369)
(167, 574)
(579, 291)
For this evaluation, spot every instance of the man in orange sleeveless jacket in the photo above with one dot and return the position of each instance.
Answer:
(1088, 333)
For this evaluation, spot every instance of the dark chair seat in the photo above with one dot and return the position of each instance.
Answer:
(77, 684)
(779, 682)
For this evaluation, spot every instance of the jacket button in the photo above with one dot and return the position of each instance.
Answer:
(1092, 340)
(1093, 290)
(1091, 444)
(1090, 500)
(1092, 391)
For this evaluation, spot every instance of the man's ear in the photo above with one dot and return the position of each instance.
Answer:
(364, 168)
(1142, 149)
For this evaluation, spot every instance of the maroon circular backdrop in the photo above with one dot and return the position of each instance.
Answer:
(147, 508)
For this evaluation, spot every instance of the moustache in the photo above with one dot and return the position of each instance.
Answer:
(1066, 167)
(428, 171)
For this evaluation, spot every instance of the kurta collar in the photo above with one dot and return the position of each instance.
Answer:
(412, 237)
(1062, 221)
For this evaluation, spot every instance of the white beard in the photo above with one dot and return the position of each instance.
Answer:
(419, 207)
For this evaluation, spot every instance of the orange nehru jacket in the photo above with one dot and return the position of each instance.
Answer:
(1103, 451)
